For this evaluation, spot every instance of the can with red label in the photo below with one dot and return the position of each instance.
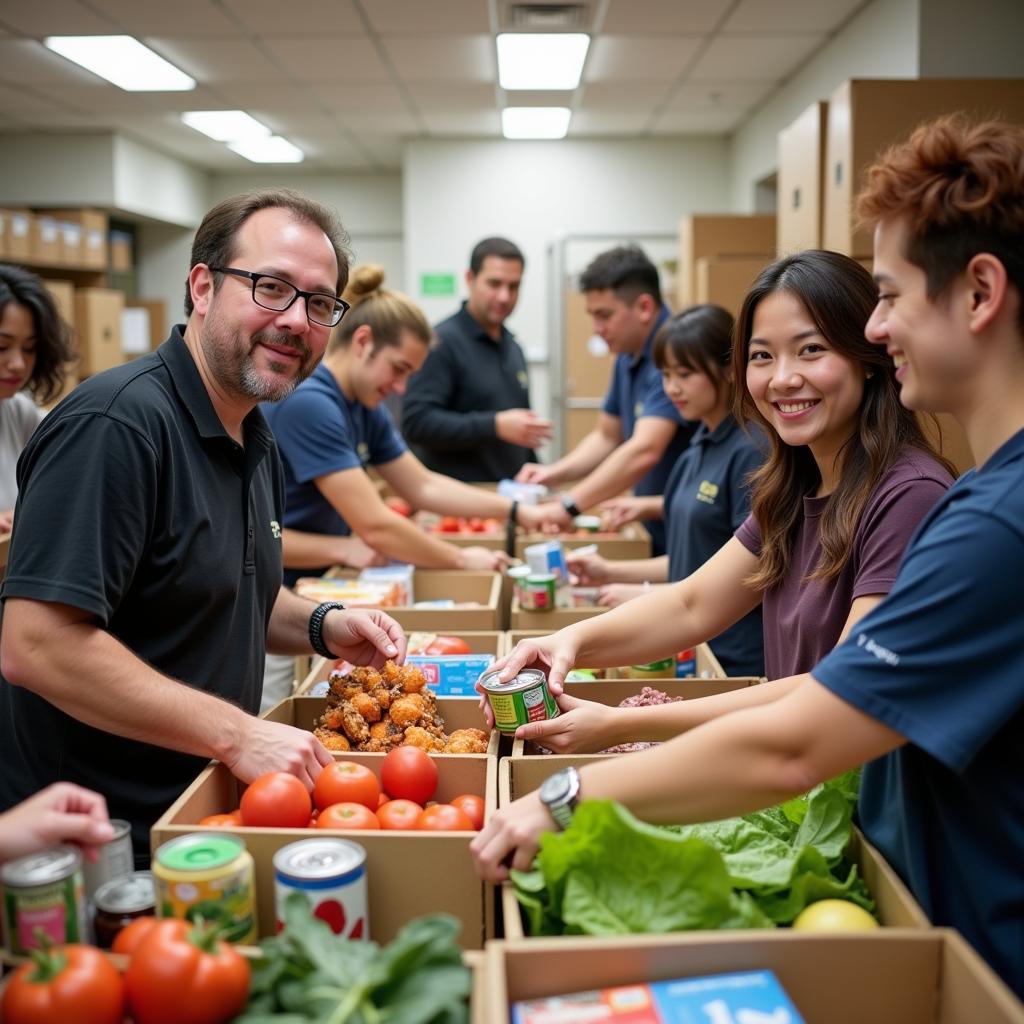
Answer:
(686, 664)
(44, 895)
(331, 874)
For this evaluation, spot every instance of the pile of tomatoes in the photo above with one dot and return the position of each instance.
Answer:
(349, 795)
(464, 524)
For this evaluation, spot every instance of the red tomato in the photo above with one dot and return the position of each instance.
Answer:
(347, 815)
(475, 525)
(399, 505)
(346, 782)
(384, 798)
(409, 773)
(86, 989)
(450, 524)
(473, 807)
(230, 820)
(447, 645)
(128, 938)
(399, 814)
(444, 818)
(276, 800)
(182, 975)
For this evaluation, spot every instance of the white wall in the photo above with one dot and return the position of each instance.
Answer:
(881, 41)
(57, 170)
(151, 184)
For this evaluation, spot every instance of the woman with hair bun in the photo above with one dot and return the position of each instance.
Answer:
(35, 345)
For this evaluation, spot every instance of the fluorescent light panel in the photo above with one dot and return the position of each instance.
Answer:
(225, 125)
(539, 60)
(270, 150)
(535, 122)
(123, 61)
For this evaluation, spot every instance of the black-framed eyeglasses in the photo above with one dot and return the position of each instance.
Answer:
(277, 294)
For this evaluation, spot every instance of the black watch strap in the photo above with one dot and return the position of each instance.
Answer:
(316, 627)
(510, 529)
(570, 506)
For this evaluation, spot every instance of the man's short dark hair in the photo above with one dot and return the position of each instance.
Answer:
(625, 270)
(500, 247)
(214, 243)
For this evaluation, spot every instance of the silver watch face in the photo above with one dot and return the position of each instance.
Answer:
(555, 787)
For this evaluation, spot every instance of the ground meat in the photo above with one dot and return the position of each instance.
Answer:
(646, 698)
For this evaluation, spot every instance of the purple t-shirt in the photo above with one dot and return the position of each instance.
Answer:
(803, 619)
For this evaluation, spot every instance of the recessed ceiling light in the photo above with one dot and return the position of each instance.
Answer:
(270, 150)
(225, 125)
(541, 60)
(123, 61)
(535, 122)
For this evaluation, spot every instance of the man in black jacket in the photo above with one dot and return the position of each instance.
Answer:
(467, 412)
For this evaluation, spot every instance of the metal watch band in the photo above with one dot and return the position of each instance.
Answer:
(316, 627)
(561, 810)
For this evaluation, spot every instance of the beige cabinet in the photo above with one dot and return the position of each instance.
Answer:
(865, 117)
(801, 181)
(713, 236)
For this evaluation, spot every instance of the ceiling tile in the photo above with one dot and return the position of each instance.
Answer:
(25, 60)
(588, 122)
(66, 17)
(718, 95)
(100, 98)
(312, 17)
(22, 103)
(439, 17)
(454, 96)
(335, 58)
(640, 97)
(61, 120)
(369, 122)
(454, 57)
(647, 17)
(269, 96)
(341, 97)
(182, 17)
(200, 98)
(624, 58)
(675, 122)
(467, 122)
(753, 58)
(386, 150)
(212, 60)
(782, 16)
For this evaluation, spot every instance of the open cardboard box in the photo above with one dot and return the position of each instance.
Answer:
(458, 585)
(895, 905)
(544, 622)
(708, 666)
(408, 873)
(896, 976)
(631, 541)
(484, 641)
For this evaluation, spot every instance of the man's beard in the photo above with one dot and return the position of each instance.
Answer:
(234, 369)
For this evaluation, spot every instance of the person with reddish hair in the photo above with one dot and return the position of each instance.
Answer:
(927, 689)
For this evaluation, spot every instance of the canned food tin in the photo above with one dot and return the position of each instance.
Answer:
(207, 876)
(665, 669)
(119, 902)
(116, 859)
(44, 893)
(686, 664)
(331, 873)
(517, 574)
(538, 593)
(588, 524)
(525, 698)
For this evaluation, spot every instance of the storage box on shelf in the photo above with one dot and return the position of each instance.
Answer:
(83, 237)
(713, 236)
(867, 116)
(725, 280)
(914, 977)
(45, 241)
(98, 329)
(408, 873)
(16, 235)
(802, 181)
(63, 293)
(121, 256)
(895, 906)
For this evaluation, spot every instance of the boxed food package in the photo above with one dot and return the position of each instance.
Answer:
(352, 593)
(402, 576)
(452, 675)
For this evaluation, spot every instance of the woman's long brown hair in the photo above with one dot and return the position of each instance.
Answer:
(839, 296)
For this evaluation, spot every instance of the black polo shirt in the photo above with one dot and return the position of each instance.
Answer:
(136, 506)
(449, 405)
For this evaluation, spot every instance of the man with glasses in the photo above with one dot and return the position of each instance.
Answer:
(143, 587)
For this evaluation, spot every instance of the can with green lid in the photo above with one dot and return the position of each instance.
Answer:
(209, 877)
(654, 670)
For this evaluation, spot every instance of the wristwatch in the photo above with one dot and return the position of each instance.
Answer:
(316, 627)
(560, 793)
(569, 505)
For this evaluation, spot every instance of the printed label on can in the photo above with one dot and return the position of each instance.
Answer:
(57, 909)
(686, 664)
(331, 874)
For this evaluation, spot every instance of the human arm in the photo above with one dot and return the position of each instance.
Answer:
(594, 570)
(303, 550)
(592, 450)
(732, 765)
(60, 653)
(522, 427)
(630, 508)
(61, 813)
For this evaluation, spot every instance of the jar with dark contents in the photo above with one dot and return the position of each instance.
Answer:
(119, 902)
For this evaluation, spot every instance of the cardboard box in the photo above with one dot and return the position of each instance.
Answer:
(17, 235)
(712, 236)
(890, 977)
(801, 182)
(408, 873)
(726, 280)
(632, 541)
(895, 905)
(63, 293)
(120, 249)
(86, 245)
(479, 642)
(546, 622)
(588, 363)
(98, 329)
(158, 323)
(443, 584)
(45, 241)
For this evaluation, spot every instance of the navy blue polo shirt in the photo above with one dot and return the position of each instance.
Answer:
(136, 506)
(635, 392)
(941, 661)
(707, 498)
(320, 431)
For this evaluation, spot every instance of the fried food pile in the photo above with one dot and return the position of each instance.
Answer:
(376, 711)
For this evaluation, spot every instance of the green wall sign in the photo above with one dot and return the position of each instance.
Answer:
(437, 284)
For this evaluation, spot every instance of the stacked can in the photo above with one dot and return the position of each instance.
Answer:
(44, 897)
